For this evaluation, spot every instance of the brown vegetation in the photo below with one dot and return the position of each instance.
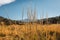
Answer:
(18, 32)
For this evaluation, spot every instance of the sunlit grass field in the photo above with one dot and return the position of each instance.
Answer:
(30, 32)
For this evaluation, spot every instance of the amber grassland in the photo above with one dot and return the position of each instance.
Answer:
(30, 32)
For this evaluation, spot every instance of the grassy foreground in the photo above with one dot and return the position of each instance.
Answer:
(30, 32)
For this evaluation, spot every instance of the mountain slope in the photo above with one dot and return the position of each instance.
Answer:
(52, 20)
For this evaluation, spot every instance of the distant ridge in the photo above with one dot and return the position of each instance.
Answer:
(52, 20)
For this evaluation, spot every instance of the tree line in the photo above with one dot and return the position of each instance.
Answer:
(53, 20)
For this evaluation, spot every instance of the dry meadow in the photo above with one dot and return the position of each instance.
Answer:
(30, 32)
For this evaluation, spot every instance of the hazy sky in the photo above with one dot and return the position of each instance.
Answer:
(14, 8)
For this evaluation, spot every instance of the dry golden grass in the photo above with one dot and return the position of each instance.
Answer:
(28, 32)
